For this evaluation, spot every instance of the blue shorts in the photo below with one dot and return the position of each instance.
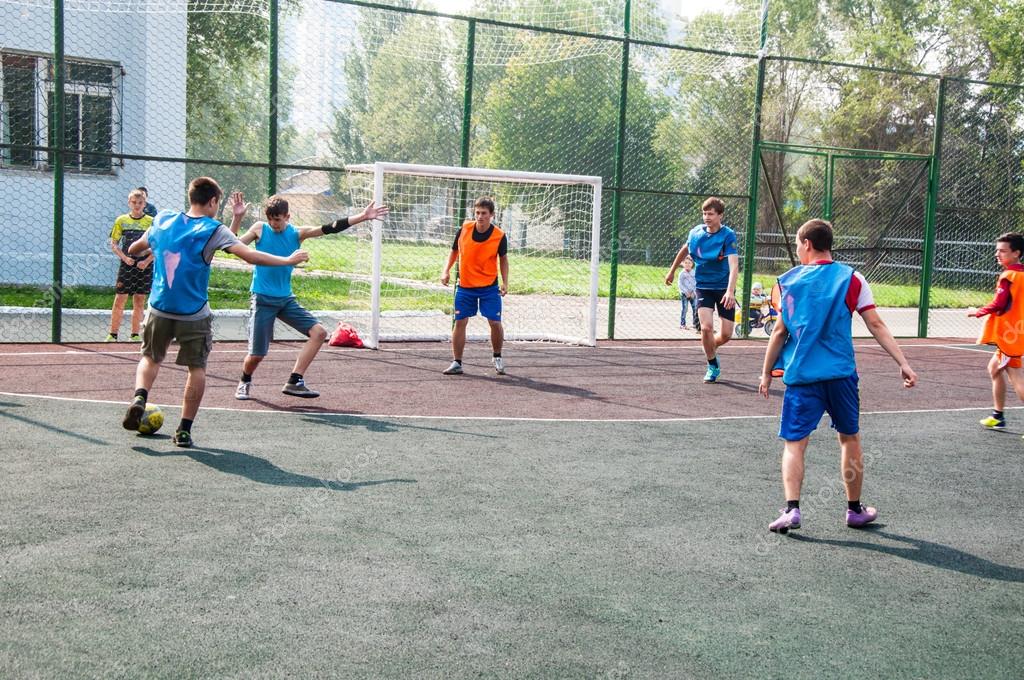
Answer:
(487, 300)
(803, 406)
(264, 309)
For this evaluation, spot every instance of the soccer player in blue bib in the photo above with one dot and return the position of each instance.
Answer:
(272, 296)
(712, 246)
(814, 337)
(183, 245)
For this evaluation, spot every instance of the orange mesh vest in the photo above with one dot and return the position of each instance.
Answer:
(1006, 331)
(478, 262)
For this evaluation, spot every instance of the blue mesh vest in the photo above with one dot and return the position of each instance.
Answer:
(814, 310)
(181, 277)
(269, 280)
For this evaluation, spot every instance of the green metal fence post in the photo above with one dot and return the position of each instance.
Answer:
(57, 284)
(750, 241)
(274, 109)
(830, 175)
(467, 92)
(620, 153)
(467, 113)
(928, 256)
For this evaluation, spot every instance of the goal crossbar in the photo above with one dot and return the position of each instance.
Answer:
(482, 174)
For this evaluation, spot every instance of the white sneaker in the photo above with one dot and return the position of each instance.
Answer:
(242, 391)
(499, 365)
(454, 369)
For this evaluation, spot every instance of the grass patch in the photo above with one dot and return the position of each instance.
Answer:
(230, 290)
(531, 274)
(544, 275)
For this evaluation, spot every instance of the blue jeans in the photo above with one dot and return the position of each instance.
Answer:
(692, 304)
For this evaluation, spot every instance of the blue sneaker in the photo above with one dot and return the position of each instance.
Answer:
(712, 374)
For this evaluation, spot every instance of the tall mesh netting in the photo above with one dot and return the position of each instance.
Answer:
(872, 181)
(658, 100)
(981, 195)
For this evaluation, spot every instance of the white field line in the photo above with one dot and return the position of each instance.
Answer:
(690, 346)
(385, 416)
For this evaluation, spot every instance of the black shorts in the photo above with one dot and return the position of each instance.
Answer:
(134, 281)
(712, 299)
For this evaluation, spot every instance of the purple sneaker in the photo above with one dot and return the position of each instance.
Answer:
(789, 519)
(866, 515)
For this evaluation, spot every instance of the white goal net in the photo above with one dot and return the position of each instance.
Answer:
(552, 223)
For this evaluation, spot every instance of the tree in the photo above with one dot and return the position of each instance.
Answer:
(227, 101)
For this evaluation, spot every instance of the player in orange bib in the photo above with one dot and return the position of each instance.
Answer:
(1004, 327)
(481, 249)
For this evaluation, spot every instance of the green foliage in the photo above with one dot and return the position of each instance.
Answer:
(688, 116)
(227, 97)
(568, 111)
(227, 107)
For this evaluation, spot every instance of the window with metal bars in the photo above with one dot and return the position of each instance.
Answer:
(92, 113)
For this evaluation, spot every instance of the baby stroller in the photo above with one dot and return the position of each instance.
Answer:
(764, 310)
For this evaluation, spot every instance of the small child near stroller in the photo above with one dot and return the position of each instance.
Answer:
(762, 313)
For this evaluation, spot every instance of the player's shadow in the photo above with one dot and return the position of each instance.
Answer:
(55, 415)
(260, 469)
(346, 421)
(547, 387)
(746, 387)
(926, 552)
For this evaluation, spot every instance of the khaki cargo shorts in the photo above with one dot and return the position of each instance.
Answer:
(195, 339)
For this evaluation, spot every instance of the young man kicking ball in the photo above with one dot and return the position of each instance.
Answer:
(272, 297)
(183, 246)
(814, 336)
(481, 249)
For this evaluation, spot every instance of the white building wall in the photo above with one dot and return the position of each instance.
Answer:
(152, 50)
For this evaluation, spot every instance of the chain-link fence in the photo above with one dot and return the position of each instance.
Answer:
(919, 173)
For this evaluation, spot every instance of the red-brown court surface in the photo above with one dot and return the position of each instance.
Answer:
(615, 380)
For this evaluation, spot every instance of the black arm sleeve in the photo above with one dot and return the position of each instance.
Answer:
(336, 226)
(455, 243)
(503, 246)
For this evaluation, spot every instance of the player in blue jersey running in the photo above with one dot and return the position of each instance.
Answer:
(814, 337)
(272, 296)
(712, 246)
(183, 245)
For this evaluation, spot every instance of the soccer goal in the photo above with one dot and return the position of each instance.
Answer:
(553, 226)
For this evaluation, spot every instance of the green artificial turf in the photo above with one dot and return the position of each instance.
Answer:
(304, 545)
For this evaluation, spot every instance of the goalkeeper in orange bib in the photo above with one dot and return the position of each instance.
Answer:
(481, 249)
(1004, 327)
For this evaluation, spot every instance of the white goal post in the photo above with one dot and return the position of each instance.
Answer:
(553, 226)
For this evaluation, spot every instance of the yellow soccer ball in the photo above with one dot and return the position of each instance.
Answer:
(152, 419)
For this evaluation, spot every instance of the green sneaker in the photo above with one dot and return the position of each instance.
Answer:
(183, 438)
(993, 423)
(111, 338)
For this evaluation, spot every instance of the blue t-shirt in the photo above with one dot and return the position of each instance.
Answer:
(271, 280)
(710, 253)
